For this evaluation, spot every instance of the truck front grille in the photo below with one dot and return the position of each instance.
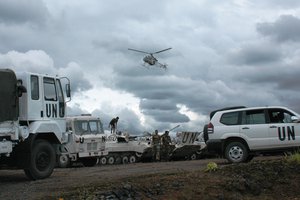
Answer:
(92, 146)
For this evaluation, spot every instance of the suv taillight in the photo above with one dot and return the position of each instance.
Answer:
(210, 128)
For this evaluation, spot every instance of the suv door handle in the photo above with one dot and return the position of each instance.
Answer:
(245, 128)
(273, 126)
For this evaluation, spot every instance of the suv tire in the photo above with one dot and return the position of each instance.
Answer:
(236, 152)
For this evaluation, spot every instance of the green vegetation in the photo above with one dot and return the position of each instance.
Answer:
(211, 167)
(293, 158)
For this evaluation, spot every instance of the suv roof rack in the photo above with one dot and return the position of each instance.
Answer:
(226, 108)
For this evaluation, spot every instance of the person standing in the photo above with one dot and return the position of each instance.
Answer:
(113, 125)
(156, 140)
(166, 142)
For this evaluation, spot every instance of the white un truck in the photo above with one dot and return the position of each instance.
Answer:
(32, 121)
(86, 141)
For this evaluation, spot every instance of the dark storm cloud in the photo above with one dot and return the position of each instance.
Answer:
(286, 28)
(283, 78)
(163, 110)
(155, 104)
(255, 54)
(22, 11)
(166, 116)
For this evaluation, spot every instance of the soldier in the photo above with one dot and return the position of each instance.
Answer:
(113, 125)
(166, 141)
(156, 146)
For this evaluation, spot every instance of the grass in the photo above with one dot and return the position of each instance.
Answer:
(211, 167)
(293, 158)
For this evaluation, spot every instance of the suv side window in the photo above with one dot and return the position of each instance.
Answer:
(230, 118)
(279, 116)
(253, 117)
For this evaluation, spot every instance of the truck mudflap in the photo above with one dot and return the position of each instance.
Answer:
(22, 151)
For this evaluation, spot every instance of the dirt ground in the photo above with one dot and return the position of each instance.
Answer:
(262, 178)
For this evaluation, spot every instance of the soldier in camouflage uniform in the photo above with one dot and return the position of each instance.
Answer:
(166, 141)
(156, 140)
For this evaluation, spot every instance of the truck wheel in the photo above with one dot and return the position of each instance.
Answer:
(64, 161)
(236, 152)
(103, 161)
(42, 160)
(111, 160)
(138, 154)
(193, 156)
(124, 160)
(118, 160)
(132, 159)
(89, 162)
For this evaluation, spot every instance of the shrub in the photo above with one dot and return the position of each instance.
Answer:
(211, 166)
(293, 158)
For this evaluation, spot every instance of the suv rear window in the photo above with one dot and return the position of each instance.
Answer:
(230, 118)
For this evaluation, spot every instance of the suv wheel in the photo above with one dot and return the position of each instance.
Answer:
(236, 152)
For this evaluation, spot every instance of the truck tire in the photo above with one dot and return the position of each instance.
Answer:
(103, 161)
(132, 159)
(124, 160)
(111, 160)
(64, 161)
(193, 156)
(236, 152)
(138, 154)
(41, 161)
(118, 160)
(89, 162)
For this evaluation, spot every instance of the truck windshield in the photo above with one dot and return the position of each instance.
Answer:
(87, 127)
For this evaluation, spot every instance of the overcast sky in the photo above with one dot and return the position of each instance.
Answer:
(224, 53)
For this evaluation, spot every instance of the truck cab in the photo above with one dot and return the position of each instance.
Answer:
(86, 141)
(32, 121)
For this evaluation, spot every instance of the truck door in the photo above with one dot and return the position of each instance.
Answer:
(54, 105)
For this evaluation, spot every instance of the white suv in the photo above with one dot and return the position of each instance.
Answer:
(238, 133)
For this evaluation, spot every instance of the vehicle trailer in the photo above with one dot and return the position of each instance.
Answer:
(189, 146)
(185, 146)
(124, 149)
(32, 121)
(86, 141)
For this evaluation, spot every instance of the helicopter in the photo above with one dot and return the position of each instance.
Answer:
(150, 59)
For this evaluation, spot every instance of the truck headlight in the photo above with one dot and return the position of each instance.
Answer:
(23, 132)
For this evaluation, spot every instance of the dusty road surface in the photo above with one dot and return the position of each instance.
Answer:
(15, 185)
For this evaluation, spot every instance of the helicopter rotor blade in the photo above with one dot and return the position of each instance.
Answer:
(139, 51)
(162, 50)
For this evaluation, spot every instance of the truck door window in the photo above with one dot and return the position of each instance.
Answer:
(34, 83)
(61, 100)
(253, 117)
(49, 89)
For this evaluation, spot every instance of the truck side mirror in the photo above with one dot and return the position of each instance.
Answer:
(68, 90)
(21, 89)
